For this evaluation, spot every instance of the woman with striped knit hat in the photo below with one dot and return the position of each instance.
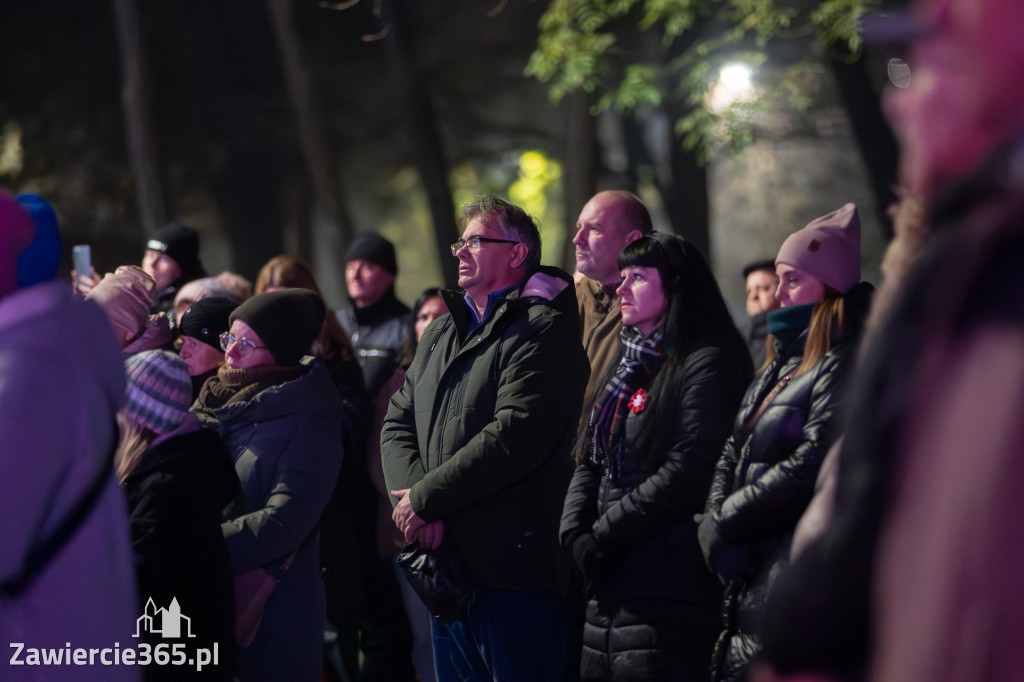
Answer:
(177, 479)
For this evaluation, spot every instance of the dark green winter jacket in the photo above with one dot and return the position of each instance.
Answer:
(482, 430)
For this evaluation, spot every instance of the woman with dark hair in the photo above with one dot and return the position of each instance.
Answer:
(281, 419)
(765, 476)
(644, 465)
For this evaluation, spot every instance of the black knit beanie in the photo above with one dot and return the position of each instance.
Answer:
(374, 248)
(206, 319)
(286, 321)
(181, 243)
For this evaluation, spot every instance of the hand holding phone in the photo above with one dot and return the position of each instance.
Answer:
(83, 274)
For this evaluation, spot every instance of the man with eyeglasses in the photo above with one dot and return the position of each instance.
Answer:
(476, 446)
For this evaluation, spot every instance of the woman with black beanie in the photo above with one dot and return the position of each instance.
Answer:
(280, 417)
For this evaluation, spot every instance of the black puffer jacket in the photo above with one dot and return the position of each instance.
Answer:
(653, 607)
(822, 609)
(760, 490)
(175, 496)
(377, 333)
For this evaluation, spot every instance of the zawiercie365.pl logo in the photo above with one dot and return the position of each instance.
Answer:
(167, 622)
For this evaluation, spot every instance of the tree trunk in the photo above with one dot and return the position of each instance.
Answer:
(874, 137)
(142, 146)
(580, 161)
(310, 129)
(427, 147)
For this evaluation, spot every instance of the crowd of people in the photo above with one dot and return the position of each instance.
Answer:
(615, 481)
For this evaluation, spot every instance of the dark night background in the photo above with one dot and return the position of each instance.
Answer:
(290, 125)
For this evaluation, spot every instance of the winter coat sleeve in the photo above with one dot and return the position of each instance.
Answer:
(399, 447)
(773, 503)
(306, 474)
(44, 469)
(678, 487)
(580, 509)
(721, 480)
(531, 413)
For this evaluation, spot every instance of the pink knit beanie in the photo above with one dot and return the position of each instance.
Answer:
(828, 249)
(126, 296)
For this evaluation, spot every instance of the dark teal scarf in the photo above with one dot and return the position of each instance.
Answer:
(787, 324)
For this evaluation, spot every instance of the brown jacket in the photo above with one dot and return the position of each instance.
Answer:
(602, 318)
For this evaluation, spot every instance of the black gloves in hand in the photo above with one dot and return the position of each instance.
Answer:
(730, 562)
(588, 556)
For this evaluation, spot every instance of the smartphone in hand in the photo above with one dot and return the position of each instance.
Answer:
(81, 257)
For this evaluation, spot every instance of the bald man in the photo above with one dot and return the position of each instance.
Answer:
(607, 223)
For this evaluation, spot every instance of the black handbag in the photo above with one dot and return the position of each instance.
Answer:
(437, 577)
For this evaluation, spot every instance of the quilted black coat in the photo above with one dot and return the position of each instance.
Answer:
(652, 613)
(761, 488)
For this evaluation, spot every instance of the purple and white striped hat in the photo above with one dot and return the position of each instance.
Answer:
(159, 390)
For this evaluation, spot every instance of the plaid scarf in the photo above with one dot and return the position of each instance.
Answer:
(640, 360)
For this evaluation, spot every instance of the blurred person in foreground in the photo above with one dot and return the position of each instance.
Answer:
(476, 446)
(66, 575)
(918, 575)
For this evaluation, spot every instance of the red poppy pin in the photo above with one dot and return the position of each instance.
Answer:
(638, 402)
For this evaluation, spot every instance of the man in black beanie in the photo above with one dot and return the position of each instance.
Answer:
(377, 322)
(202, 323)
(172, 259)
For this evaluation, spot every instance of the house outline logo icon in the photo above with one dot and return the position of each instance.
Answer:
(166, 622)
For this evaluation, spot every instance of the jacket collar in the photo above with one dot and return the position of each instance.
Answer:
(465, 319)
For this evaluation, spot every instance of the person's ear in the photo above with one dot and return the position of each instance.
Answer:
(519, 251)
(633, 235)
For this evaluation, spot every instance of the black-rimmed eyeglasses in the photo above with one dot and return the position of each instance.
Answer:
(474, 243)
(246, 347)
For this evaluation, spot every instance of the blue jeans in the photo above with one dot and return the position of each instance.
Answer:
(505, 637)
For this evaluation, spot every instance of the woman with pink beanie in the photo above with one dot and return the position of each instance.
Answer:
(765, 476)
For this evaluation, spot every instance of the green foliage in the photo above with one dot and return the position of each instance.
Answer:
(604, 48)
(530, 179)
